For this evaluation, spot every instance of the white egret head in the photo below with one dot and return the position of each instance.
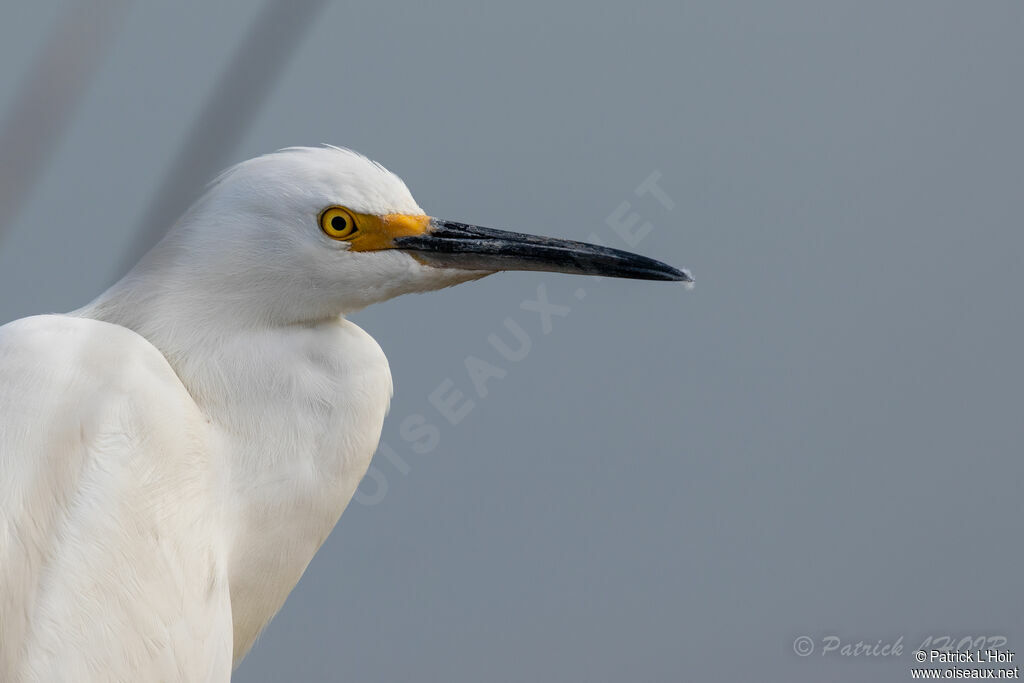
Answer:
(307, 233)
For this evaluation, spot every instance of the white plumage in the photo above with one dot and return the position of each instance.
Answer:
(173, 454)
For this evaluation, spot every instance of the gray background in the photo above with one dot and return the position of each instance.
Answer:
(822, 439)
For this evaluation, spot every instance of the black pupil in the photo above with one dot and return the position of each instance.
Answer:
(339, 223)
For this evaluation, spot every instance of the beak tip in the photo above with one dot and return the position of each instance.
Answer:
(684, 276)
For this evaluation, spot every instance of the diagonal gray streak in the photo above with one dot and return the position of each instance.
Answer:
(228, 113)
(53, 86)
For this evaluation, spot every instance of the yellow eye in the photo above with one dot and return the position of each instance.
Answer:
(338, 223)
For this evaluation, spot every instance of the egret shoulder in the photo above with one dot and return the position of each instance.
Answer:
(110, 539)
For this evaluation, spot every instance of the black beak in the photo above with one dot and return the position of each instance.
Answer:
(457, 245)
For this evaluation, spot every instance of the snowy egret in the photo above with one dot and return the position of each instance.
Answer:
(173, 454)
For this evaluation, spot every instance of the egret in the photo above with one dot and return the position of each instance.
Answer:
(174, 453)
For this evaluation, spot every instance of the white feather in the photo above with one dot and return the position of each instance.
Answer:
(173, 454)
